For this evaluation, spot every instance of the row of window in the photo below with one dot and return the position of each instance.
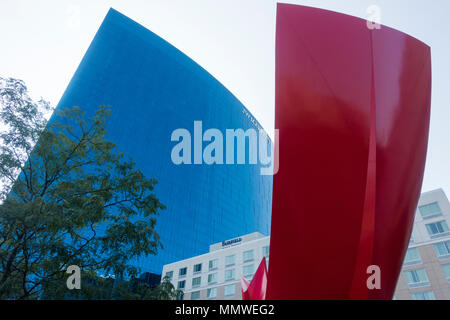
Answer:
(425, 295)
(230, 290)
(413, 257)
(433, 210)
(211, 293)
(422, 295)
(230, 275)
(418, 277)
(213, 264)
(430, 210)
(436, 230)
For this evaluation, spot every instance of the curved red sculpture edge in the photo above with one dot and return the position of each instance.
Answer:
(256, 289)
(353, 110)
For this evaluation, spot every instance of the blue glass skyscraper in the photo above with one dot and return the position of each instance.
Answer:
(153, 89)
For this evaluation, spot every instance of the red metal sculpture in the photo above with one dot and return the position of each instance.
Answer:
(353, 109)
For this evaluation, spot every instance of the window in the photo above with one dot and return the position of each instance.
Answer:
(229, 275)
(198, 268)
(426, 295)
(196, 282)
(442, 249)
(230, 290)
(211, 293)
(248, 255)
(229, 260)
(416, 278)
(169, 274)
(181, 297)
(430, 210)
(213, 264)
(195, 295)
(248, 270)
(412, 257)
(446, 269)
(181, 284)
(182, 272)
(212, 278)
(437, 228)
(265, 251)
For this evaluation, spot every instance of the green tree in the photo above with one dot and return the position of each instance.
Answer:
(68, 198)
(135, 289)
(165, 291)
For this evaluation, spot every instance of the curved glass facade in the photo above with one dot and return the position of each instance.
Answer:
(153, 89)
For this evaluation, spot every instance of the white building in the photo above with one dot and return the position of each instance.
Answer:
(217, 274)
(426, 269)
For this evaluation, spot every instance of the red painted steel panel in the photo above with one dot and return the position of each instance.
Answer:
(352, 107)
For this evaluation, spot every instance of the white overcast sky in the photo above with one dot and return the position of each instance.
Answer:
(42, 42)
